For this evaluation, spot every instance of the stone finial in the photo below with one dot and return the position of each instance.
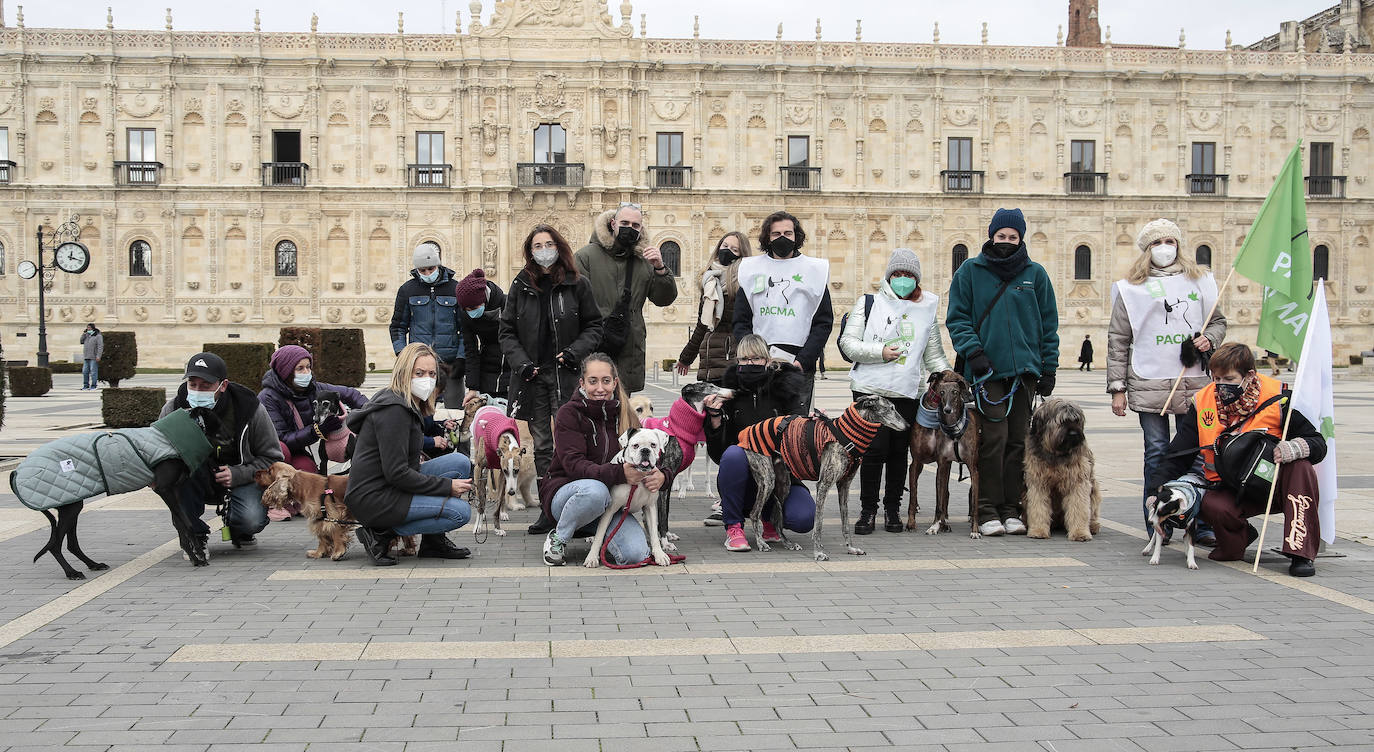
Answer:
(1059, 36)
(1228, 39)
(169, 19)
(818, 29)
(475, 10)
(109, 17)
(1182, 39)
(1108, 38)
(626, 10)
(457, 22)
(643, 25)
(696, 27)
(985, 32)
(858, 30)
(19, 17)
(257, 20)
(314, 23)
(400, 22)
(935, 37)
(779, 37)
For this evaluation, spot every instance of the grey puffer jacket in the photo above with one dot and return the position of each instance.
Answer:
(933, 359)
(1148, 395)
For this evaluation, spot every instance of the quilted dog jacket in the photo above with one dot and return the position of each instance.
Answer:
(76, 468)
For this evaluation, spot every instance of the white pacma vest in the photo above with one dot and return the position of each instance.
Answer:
(905, 324)
(783, 295)
(1164, 313)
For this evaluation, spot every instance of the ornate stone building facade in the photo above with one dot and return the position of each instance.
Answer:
(233, 182)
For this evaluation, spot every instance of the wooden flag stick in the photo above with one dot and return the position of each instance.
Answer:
(1264, 527)
(1179, 379)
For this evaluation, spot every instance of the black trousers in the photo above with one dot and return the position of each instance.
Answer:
(887, 456)
(1002, 450)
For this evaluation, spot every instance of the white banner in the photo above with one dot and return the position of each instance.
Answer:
(1312, 398)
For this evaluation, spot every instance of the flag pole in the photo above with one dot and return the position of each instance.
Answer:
(1179, 379)
(1278, 468)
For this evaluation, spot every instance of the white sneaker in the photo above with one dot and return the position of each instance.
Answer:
(1015, 526)
(991, 528)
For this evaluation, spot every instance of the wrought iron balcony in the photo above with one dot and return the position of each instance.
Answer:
(137, 173)
(284, 173)
(1205, 184)
(428, 175)
(1325, 186)
(670, 177)
(1085, 183)
(800, 178)
(549, 174)
(8, 170)
(962, 181)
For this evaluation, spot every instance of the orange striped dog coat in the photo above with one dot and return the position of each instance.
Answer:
(799, 440)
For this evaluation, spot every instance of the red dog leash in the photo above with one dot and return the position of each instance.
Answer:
(672, 558)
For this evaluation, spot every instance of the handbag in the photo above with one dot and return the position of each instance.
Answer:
(335, 442)
(1245, 459)
(615, 328)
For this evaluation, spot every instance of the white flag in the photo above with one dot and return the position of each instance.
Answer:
(1312, 398)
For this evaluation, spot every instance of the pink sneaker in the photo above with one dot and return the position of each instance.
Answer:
(734, 538)
(770, 533)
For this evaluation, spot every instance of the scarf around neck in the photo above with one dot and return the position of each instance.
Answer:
(1243, 407)
(1006, 268)
(712, 295)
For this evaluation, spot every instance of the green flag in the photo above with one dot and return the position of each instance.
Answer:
(1276, 255)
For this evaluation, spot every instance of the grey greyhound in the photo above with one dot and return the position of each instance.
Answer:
(813, 448)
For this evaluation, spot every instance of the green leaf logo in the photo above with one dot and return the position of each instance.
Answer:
(797, 277)
(1192, 296)
(1328, 428)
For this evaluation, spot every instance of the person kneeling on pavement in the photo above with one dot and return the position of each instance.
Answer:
(226, 479)
(1240, 400)
(390, 491)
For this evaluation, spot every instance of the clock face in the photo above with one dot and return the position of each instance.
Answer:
(27, 269)
(73, 258)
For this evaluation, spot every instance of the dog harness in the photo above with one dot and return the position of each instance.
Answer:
(489, 423)
(799, 440)
(684, 424)
(1193, 487)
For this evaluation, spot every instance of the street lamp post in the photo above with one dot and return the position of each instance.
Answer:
(69, 255)
(45, 273)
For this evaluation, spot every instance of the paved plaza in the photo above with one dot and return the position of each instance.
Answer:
(927, 643)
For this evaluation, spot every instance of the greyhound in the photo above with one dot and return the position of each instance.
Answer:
(954, 438)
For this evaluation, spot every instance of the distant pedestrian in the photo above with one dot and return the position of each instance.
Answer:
(92, 350)
(1085, 354)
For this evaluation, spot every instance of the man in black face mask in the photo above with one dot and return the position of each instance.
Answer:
(785, 296)
(619, 262)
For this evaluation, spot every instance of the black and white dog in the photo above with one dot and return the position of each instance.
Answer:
(329, 405)
(1176, 506)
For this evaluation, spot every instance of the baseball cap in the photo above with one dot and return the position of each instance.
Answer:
(208, 366)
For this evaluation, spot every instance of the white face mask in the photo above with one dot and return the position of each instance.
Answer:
(545, 256)
(422, 387)
(1164, 254)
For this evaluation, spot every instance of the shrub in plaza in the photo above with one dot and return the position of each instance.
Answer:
(342, 358)
(246, 361)
(131, 407)
(30, 381)
(62, 366)
(305, 336)
(121, 357)
(668, 364)
(1356, 360)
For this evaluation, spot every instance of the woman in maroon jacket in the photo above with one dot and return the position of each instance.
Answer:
(577, 489)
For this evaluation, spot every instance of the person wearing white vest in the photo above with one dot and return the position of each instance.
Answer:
(894, 343)
(785, 296)
(1157, 332)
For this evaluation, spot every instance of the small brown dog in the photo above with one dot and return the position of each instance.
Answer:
(321, 501)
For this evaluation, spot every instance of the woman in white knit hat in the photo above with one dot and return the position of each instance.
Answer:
(1157, 332)
(893, 340)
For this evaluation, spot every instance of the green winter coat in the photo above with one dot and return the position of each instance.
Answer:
(1021, 333)
(606, 274)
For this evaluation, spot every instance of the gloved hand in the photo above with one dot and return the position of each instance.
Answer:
(567, 361)
(978, 363)
(1045, 386)
(331, 424)
(1291, 451)
(528, 371)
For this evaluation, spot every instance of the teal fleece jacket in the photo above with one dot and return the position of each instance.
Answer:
(1020, 334)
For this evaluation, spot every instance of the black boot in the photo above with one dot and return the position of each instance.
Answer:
(377, 544)
(866, 523)
(438, 546)
(894, 523)
(542, 525)
(1301, 567)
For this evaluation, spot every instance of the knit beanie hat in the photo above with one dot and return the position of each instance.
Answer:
(904, 260)
(1012, 218)
(472, 290)
(426, 254)
(285, 360)
(1152, 231)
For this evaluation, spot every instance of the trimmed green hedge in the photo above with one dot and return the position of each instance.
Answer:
(62, 366)
(1356, 360)
(30, 381)
(247, 361)
(343, 357)
(305, 336)
(120, 359)
(131, 407)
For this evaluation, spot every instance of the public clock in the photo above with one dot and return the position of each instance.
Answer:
(72, 257)
(27, 269)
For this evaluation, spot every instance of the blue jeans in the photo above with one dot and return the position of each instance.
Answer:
(738, 490)
(583, 501)
(1156, 430)
(438, 514)
(245, 515)
(90, 373)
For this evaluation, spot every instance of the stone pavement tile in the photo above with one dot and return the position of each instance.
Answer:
(1098, 745)
(468, 746)
(146, 738)
(834, 740)
(413, 734)
(660, 744)
(1112, 731)
(1278, 739)
(1011, 746)
(602, 730)
(917, 736)
(504, 733)
(1198, 742)
(744, 744)
(161, 748)
(1015, 733)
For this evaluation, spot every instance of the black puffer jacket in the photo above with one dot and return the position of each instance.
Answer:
(486, 364)
(386, 463)
(777, 390)
(538, 323)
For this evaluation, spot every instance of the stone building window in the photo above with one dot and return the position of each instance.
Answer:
(285, 259)
(958, 256)
(550, 144)
(1203, 255)
(1082, 263)
(140, 259)
(1321, 262)
(672, 256)
(429, 170)
(6, 166)
(2, 259)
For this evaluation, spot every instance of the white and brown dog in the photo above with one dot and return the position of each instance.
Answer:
(644, 450)
(1175, 506)
(502, 464)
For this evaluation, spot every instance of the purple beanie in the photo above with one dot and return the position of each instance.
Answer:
(285, 360)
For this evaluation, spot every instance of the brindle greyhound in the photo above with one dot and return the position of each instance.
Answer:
(954, 440)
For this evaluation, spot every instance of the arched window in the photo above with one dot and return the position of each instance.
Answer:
(1204, 255)
(1082, 262)
(958, 256)
(285, 259)
(140, 259)
(672, 256)
(1321, 262)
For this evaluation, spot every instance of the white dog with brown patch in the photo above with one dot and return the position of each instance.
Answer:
(642, 449)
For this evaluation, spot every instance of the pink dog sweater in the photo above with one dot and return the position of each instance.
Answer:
(489, 423)
(684, 424)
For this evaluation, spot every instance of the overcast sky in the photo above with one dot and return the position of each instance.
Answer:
(1029, 22)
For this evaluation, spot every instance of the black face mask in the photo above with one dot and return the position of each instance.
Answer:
(626, 237)
(725, 256)
(1004, 250)
(782, 247)
(750, 376)
(1228, 394)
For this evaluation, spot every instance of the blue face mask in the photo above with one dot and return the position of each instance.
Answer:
(902, 286)
(200, 399)
(302, 380)
(430, 278)
(477, 312)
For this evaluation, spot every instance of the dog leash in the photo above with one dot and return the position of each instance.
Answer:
(325, 518)
(605, 562)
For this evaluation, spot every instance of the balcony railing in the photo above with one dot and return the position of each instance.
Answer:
(7, 171)
(1085, 183)
(284, 173)
(1207, 184)
(670, 177)
(962, 181)
(428, 175)
(552, 175)
(800, 178)
(137, 173)
(1325, 186)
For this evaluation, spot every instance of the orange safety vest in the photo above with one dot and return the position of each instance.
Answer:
(1209, 426)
